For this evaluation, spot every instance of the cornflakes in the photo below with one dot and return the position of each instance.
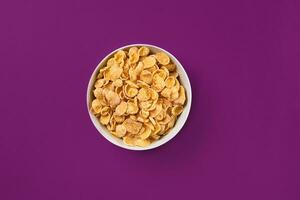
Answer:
(138, 96)
(143, 51)
(121, 108)
(149, 61)
(162, 58)
(120, 131)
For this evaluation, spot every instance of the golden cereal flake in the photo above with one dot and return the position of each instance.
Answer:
(144, 94)
(119, 119)
(146, 133)
(171, 122)
(177, 109)
(132, 50)
(139, 68)
(162, 58)
(144, 113)
(142, 84)
(174, 94)
(170, 81)
(166, 71)
(100, 82)
(166, 120)
(149, 61)
(134, 58)
(104, 119)
(160, 72)
(112, 98)
(156, 111)
(143, 51)
(175, 74)
(120, 56)
(166, 92)
(131, 91)
(181, 99)
(132, 108)
(121, 108)
(145, 104)
(113, 73)
(158, 83)
(132, 126)
(105, 110)
(146, 76)
(128, 140)
(111, 62)
(171, 67)
(118, 83)
(98, 93)
(160, 116)
(120, 131)
(157, 128)
(141, 143)
(154, 94)
(96, 106)
(132, 84)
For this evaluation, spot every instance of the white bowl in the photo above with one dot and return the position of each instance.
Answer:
(184, 80)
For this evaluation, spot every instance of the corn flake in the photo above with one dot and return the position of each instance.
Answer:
(96, 106)
(132, 126)
(143, 94)
(120, 131)
(162, 58)
(121, 108)
(143, 51)
(149, 61)
(104, 119)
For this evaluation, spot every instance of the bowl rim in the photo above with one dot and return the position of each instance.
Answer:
(164, 139)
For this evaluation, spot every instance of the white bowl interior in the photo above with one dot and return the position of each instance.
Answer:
(184, 80)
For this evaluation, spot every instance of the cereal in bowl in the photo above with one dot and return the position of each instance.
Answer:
(138, 95)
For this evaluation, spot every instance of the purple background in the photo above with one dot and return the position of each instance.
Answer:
(241, 140)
